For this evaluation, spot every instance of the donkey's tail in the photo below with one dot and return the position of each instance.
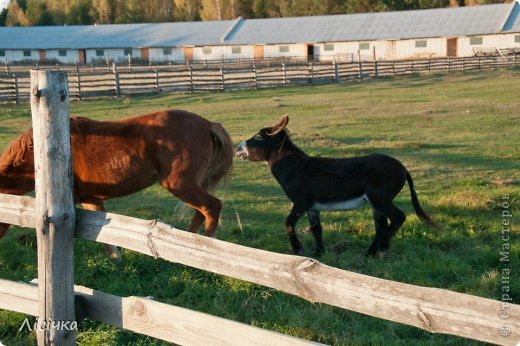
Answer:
(221, 164)
(417, 206)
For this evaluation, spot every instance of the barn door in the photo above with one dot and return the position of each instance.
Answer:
(452, 47)
(43, 54)
(259, 52)
(82, 56)
(188, 54)
(145, 54)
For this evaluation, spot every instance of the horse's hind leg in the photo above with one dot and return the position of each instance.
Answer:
(111, 250)
(395, 215)
(196, 222)
(198, 199)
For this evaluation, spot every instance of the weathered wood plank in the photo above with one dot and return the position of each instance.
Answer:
(162, 321)
(55, 213)
(431, 309)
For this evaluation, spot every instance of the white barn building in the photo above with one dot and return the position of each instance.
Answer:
(441, 32)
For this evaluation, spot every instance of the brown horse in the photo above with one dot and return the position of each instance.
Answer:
(183, 152)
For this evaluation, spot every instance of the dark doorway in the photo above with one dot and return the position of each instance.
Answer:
(310, 52)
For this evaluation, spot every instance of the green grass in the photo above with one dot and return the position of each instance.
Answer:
(458, 135)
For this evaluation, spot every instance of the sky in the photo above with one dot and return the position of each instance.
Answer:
(3, 3)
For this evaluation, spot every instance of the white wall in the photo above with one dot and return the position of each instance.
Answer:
(113, 54)
(223, 52)
(488, 42)
(295, 50)
(435, 47)
(157, 54)
(71, 58)
(17, 55)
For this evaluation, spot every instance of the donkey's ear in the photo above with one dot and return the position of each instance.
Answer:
(282, 123)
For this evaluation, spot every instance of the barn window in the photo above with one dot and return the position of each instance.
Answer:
(517, 39)
(100, 52)
(26, 53)
(62, 52)
(236, 50)
(283, 49)
(167, 51)
(421, 44)
(127, 52)
(364, 45)
(206, 51)
(2, 52)
(328, 47)
(475, 41)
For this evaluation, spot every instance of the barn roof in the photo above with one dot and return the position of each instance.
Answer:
(114, 35)
(444, 22)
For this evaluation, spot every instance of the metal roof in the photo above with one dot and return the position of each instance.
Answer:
(114, 36)
(443, 22)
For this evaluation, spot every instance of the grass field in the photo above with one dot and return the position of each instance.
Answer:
(458, 135)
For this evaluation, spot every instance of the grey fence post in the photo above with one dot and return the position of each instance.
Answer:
(78, 76)
(16, 89)
(117, 86)
(54, 210)
(255, 77)
(284, 72)
(157, 85)
(190, 77)
(222, 80)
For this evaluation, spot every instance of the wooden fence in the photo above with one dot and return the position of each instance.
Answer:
(126, 80)
(432, 309)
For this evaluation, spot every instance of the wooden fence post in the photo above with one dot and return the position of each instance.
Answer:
(157, 85)
(336, 73)
(284, 75)
(78, 77)
(255, 77)
(376, 69)
(117, 86)
(190, 76)
(16, 89)
(54, 209)
(7, 68)
(312, 72)
(222, 80)
(360, 67)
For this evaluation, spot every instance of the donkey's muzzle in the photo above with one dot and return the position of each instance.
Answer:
(241, 151)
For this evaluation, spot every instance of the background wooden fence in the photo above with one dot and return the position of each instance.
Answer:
(432, 309)
(89, 81)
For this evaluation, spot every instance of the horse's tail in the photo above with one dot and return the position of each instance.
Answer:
(417, 206)
(221, 164)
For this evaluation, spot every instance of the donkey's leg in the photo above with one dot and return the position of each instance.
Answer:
(296, 213)
(381, 226)
(397, 218)
(198, 199)
(317, 230)
(111, 250)
(196, 222)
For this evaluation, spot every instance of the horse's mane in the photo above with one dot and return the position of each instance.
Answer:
(15, 153)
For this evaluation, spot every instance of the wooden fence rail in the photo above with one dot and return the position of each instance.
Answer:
(145, 316)
(114, 81)
(432, 309)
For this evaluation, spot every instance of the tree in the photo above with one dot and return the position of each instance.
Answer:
(16, 15)
(103, 11)
(3, 17)
(187, 10)
(79, 13)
